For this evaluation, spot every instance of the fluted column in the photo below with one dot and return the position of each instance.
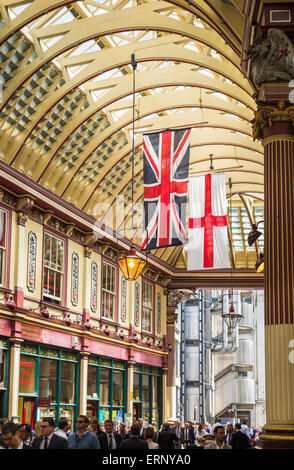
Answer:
(84, 356)
(130, 386)
(14, 368)
(277, 133)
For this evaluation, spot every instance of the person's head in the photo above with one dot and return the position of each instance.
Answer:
(244, 422)
(122, 428)
(24, 431)
(63, 424)
(190, 424)
(178, 423)
(238, 426)
(47, 426)
(218, 420)
(200, 427)
(37, 428)
(187, 425)
(230, 428)
(10, 435)
(135, 429)
(108, 426)
(219, 433)
(140, 422)
(165, 427)
(95, 424)
(82, 423)
(201, 442)
(149, 433)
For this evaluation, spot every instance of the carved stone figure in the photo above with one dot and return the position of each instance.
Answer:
(175, 297)
(272, 58)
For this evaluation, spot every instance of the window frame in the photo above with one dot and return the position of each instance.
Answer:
(115, 294)
(63, 284)
(152, 317)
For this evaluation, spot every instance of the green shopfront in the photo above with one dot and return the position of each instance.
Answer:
(147, 394)
(48, 383)
(4, 368)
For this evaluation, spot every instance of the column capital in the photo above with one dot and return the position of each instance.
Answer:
(268, 114)
(16, 342)
(85, 354)
(87, 252)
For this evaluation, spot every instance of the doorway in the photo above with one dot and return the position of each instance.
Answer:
(136, 411)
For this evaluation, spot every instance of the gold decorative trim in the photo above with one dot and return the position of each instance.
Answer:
(278, 137)
(267, 114)
(274, 437)
(279, 428)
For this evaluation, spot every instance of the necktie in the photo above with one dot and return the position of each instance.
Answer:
(46, 442)
(178, 432)
(186, 434)
(110, 442)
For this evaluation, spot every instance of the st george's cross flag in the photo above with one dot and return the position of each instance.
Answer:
(166, 161)
(208, 226)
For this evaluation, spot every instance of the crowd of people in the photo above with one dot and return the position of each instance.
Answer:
(90, 434)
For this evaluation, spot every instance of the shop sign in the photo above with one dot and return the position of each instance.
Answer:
(31, 332)
(44, 401)
(5, 328)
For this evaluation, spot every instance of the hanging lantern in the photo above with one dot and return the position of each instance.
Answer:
(131, 265)
(232, 318)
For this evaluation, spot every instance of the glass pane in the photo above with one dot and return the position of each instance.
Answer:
(136, 387)
(146, 320)
(58, 285)
(92, 382)
(47, 379)
(117, 388)
(2, 367)
(145, 416)
(27, 374)
(2, 228)
(104, 275)
(145, 390)
(67, 412)
(155, 392)
(54, 252)
(67, 385)
(51, 286)
(104, 386)
(155, 419)
(107, 305)
(47, 249)
(60, 255)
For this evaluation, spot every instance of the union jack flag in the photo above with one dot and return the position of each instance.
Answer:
(166, 161)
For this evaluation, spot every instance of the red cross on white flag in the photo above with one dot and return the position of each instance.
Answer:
(208, 246)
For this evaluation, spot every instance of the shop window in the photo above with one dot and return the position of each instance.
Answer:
(117, 388)
(145, 390)
(104, 387)
(108, 291)
(92, 382)
(47, 379)
(27, 375)
(3, 218)
(53, 269)
(67, 384)
(136, 387)
(147, 307)
(155, 391)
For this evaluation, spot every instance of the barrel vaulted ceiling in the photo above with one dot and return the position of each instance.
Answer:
(66, 107)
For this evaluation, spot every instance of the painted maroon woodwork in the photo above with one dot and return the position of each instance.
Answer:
(19, 297)
(5, 327)
(108, 350)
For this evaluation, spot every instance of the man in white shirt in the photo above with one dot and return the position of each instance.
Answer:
(245, 429)
(10, 435)
(219, 439)
(63, 428)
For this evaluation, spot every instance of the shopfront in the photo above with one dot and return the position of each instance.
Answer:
(48, 383)
(107, 386)
(147, 394)
(4, 365)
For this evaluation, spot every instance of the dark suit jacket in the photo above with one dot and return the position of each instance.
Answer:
(141, 435)
(133, 443)
(122, 436)
(56, 442)
(240, 440)
(104, 441)
(166, 439)
(191, 436)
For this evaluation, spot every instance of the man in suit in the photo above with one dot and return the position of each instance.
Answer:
(10, 436)
(141, 428)
(49, 440)
(122, 432)
(187, 436)
(177, 429)
(229, 434)
(134, 442)
(219, 439)
(109, 439)
(166, 437)
(239, 439)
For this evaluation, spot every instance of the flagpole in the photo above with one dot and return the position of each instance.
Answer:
(134, 66)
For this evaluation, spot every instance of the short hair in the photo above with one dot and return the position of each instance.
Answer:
(149, 433)
(135, 430)
(10, 427)
(108, 421)
(201, 439)
(62, 423)
(85, 418)
(50, 421)
(237, 426)
(165, 427)
(26, 426)
(217, 428)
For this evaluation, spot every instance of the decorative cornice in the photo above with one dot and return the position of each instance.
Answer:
(24, 203)
(22, 219)
(87, 252)
(267, 114)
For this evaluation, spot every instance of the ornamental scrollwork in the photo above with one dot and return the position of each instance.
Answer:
(123, 308)
(75, 279)
(32, 260)
(267, 114)
(94, 285)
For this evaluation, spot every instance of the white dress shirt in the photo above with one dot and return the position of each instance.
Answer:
(61, 433)
(48, 441)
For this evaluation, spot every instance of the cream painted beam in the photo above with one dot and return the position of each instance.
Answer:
(69, 180)
(146, 106)
(169, 76)
(76, 32)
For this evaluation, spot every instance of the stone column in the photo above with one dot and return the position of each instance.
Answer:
(14, 368)
(19, 267)
(130, 386)
(84, 356)
(164, 395)
(274, 125)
